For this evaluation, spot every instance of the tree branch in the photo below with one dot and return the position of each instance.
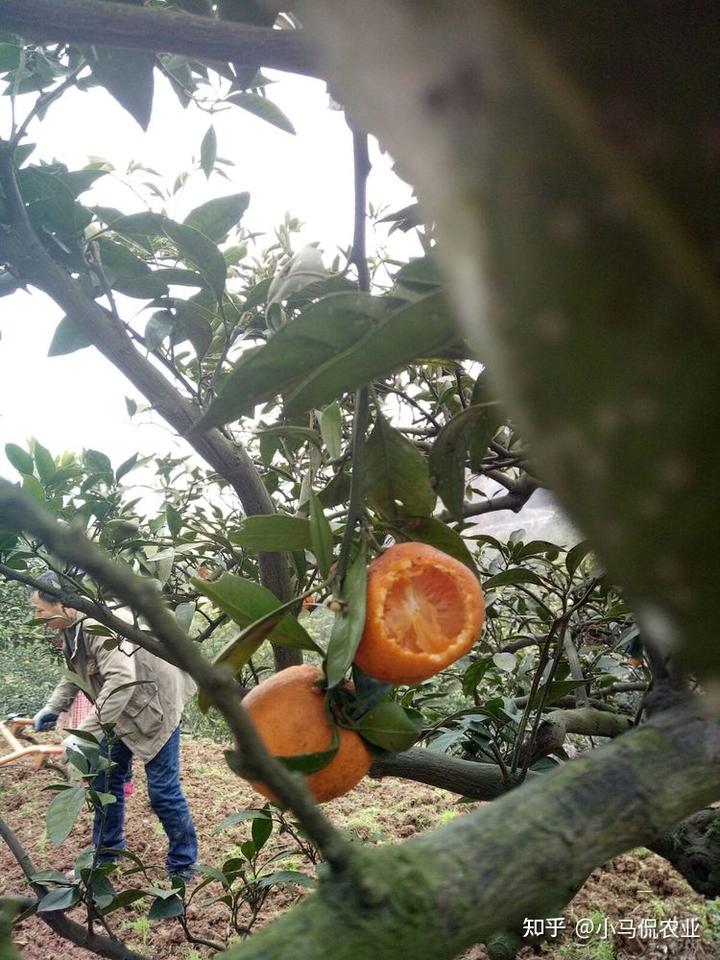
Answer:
(20, 246)
(481, 781)
(19, 511)
(65, 927)
(92, 608)
(139, 28)
(454, 881)
(522, 490)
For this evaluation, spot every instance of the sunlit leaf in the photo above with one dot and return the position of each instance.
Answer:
(263, 108)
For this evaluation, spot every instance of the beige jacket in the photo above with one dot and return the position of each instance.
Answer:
(144, 713)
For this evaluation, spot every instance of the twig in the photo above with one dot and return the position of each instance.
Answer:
(43, 102)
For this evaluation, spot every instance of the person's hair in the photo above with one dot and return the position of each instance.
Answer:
(48, 578)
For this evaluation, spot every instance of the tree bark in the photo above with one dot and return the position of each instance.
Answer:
(138, 28)
(480, 781)
(447, 889)
(693, 848)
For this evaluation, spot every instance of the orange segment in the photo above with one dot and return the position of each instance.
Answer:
(425, 610)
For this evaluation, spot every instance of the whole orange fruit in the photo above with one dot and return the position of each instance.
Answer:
(288, 711)
(425, 609)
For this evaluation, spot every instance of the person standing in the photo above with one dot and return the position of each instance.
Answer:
(143, 696)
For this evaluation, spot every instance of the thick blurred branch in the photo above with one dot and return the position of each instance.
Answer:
(172, 31)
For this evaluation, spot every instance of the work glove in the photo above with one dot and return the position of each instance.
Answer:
(44, 719)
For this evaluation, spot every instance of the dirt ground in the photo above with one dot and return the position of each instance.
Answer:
(638, 894)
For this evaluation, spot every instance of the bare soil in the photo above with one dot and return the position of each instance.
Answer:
(634, 887)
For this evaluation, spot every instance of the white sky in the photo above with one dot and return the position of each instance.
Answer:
(77, 401)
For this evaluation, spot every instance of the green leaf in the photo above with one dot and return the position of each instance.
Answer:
(237, 653)
(422, 329)
(19, 458)
(511, 578)
(486, 425)
(216, 218)
(576, 555)
(396, 476)
(60, 899)
(97, 462)
(321, 331)
(195, 247)
(192, 324)
(127, 75)
(448, 457)
(285, 878)
(240, 817)
(127, 465)
(349, 623)
(192, 245)
(127, 273)
(419, 276)
(124, 899)
(103, 892)
(261, 830)
(158, 328)
(68, 338)
(46, 876)
(208, 152)
(162, 908)
(308, 763)
(474, 674)
(272, 533)
(321, 538)
(263, 108)
(62, 814)
(437, 534)
(391, 726)
(9, 57)
(245, 602)
(32, 486)
(331, 429)
(184, 613)
(44, 462)
(290, 430)
(179, 277)
(174, 520)
(81, 685)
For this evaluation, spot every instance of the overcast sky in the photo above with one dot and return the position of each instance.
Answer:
(78, 401)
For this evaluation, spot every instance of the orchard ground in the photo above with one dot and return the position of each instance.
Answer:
(632, 888)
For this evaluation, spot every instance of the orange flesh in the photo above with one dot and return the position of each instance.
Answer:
(424, 610)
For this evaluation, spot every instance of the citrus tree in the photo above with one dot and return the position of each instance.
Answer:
(576, 264)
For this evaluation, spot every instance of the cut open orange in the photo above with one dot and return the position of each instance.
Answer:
(425, 609)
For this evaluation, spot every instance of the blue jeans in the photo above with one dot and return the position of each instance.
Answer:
(166, 799)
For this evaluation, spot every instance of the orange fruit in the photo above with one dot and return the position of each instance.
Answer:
(288, 711)
(425, 609)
